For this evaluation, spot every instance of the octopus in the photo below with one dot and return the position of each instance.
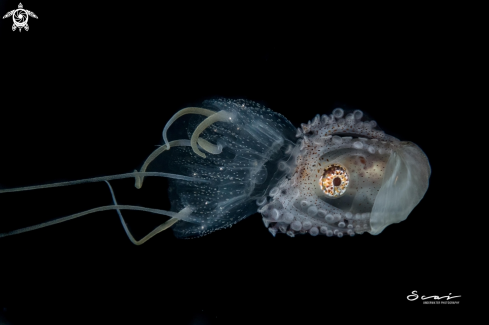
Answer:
(336, 175)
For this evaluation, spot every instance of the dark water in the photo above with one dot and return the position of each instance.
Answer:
(86, 92)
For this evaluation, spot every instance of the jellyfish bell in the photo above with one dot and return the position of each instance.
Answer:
(335, 176)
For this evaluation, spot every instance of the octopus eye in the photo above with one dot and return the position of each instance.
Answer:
(334, 181)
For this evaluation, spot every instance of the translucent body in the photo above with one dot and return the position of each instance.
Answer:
(336, 176)
(386, 179)
(252, 144)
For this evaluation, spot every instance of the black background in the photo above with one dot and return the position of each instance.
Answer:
(87, 91)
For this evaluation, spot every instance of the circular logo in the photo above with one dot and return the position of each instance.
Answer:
(20, 17)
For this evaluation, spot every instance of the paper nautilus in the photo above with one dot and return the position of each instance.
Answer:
(337, 175)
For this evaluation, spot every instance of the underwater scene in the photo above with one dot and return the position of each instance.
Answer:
(153, 173)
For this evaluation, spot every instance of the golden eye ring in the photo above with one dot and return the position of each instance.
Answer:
(334, 180)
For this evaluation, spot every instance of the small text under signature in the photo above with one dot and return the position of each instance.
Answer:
(415, 296)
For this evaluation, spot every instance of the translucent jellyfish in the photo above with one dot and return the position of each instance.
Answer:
(337, 175)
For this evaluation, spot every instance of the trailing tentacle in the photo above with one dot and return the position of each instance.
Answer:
(206, 145)
(104, 178)
(167, 224)
(188, 110)
(221, 116)
(178, 216)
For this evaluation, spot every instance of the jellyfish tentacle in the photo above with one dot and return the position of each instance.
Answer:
(139, 179)
(154, 232)
(178, 216)
(221, 116)
(167, 224)
(105, 178)
(188, 110)
(206, 145)
(209, 147)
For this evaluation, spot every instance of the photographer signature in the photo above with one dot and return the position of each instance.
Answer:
(415, 296)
